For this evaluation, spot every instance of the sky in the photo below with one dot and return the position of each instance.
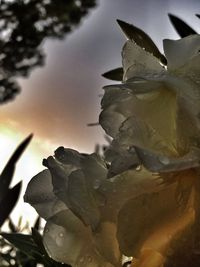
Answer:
(58, 100)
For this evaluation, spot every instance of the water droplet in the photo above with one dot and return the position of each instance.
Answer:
(164, 160)
(138, 168)
(61, 234)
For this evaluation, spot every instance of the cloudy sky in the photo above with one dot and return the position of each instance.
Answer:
(58, 100)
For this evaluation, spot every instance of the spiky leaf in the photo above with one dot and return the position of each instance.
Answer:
(141, 39)
(37, 223)
(8, 202)
(7, 173)
(115, 74)
(180, 26)
(23, 242)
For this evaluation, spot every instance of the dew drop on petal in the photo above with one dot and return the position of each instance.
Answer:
(138, 168)
(164, 160)
(61, 234)
(59, 239)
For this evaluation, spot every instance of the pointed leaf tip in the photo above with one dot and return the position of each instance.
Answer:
(180, 26)
(7, 173)
(115, 74)
(141, 39)
(20, 149)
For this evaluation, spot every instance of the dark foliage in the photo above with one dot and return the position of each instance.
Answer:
(9, 197)
(182, 28)
(24, 25)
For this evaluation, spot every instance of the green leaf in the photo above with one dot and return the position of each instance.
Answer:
(11, 226)
(37, 223)
(8, 171)
(180, 26)
(23, 242)
(141, 39)
(32, 246)
(8, 202)
(115, 74)
(38, 241)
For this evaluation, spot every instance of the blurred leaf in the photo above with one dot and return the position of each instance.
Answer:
(115, 74)
(27, 249)
(8, 171)
(141, 39)
(23, 242)
(180, 26)
(93, 124)
(19, 224)
(11, 225)
(38, 241)
(8, 202)
(30, 250)
(198, 16)
(37, 223)
(6, 257)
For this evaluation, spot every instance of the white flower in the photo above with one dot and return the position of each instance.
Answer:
(141, 201)
(86, 211)
(155, 114)
(157, 109)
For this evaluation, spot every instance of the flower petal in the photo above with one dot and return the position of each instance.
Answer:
(77, 189)
(179, 52)
(121, 159)
(111, 120)
(82, 200)
(157, 108)
(67, 240)
(120, 188)
(152, 220)
(161, 163)
(39, 194)
(135, 132)
(139, 63)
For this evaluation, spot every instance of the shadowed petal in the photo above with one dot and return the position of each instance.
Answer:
(152, 220)
(139, 63)
(67, 240)
(39, 194)
(161, 163)
(179, 52)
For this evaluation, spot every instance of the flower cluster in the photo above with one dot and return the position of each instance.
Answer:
(141, 199)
